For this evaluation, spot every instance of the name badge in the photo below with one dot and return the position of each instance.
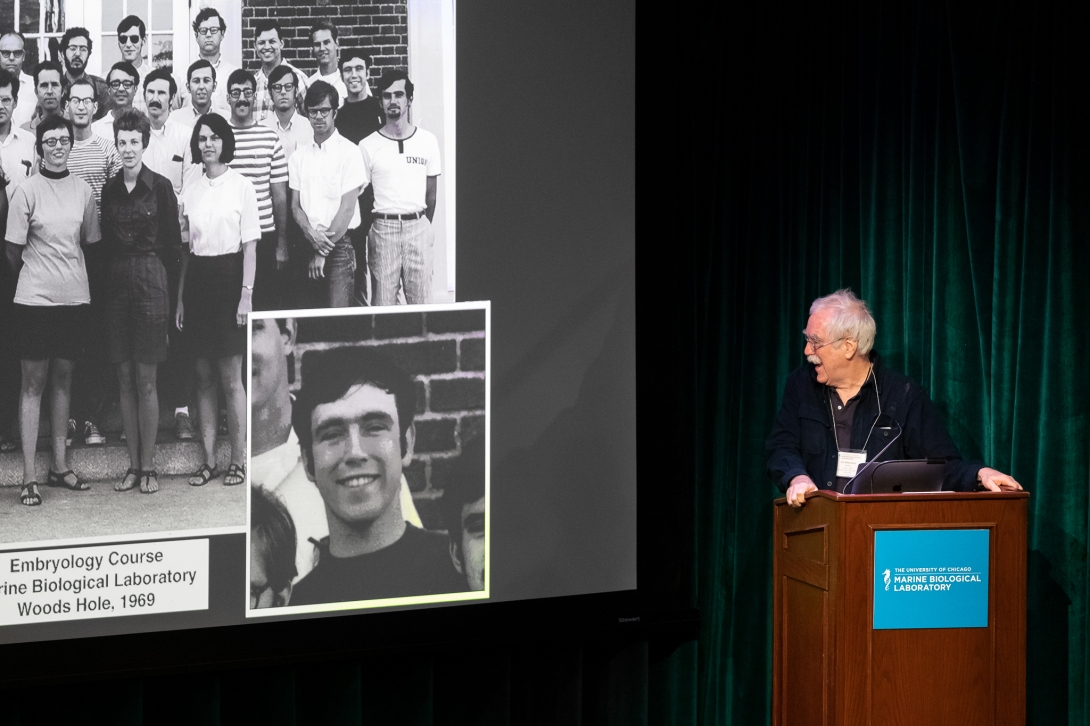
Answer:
(848, 462)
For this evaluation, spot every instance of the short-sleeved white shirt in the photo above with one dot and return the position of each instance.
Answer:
(50, 218)
(298, 132)
(398, 169)
(334, 79)
(321, 175)
(168, 152)
(17, 156)
(221, 212)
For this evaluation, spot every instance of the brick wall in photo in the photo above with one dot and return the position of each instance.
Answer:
(379, 29)
(445, 353)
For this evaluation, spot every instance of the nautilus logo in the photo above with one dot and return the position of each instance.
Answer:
(885, 578)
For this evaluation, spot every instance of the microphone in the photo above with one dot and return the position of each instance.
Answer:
(851, 482)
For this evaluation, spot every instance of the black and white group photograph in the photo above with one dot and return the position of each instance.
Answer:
(170, 168)
(368, 460)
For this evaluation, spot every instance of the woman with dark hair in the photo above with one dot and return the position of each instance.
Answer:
(220, 217)
(140, 227)
(51, 215)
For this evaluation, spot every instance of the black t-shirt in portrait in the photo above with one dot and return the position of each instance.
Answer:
(417, 564)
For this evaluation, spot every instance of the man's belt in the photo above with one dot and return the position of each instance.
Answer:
(402, 217)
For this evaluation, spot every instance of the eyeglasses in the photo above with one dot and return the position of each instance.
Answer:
(81, 49)
(282, 87)
(12, 54)
(7, 102)
(208, 31)
(133, 39)
(815, 344)
(121, 84)
(236, 94)
(52, 143)
(75, 101)
(319, 112)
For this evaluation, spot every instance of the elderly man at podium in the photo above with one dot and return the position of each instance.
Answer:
(842, 407)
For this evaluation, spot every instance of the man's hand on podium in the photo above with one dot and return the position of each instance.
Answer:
(993, 480)
(801, 484)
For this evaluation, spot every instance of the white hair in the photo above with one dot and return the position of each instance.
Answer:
(851, 318)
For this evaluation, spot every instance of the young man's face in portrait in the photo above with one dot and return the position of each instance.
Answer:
(356, 452)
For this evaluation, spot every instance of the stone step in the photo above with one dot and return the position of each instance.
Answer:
(98, 463)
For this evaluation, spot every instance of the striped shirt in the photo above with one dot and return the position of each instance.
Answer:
(94, 161)
(260, 158)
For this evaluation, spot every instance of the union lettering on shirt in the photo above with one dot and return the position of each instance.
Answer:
(422, 160)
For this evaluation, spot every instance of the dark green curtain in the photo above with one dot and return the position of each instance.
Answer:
(931, 157)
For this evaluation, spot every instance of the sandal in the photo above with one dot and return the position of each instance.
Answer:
(236, 474)
(30, 496)
(126, 483)
(202, 476)
(60, 479)
(149, 482)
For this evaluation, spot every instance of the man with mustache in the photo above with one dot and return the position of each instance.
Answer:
(124, 83)
(132, 37)
(259, 157)
(832, 404)
(354, 419)
(169, 155)
(402, 165)
(76, 48)
(12, 58)
(323, 45)
(268, 46)
(48, 89)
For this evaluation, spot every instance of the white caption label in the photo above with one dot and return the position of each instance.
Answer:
(103, 582)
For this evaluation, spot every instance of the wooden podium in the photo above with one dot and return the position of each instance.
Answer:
(830, 667)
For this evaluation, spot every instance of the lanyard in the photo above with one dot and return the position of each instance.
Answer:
(877, 397)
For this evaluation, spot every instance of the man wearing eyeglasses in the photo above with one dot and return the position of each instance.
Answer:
(48, 90)
(293, 128)
(268, 46)
(131, 39)
(12, 58)
(209, 28)
(124, 83)
(76, 48)
(844, 406)
(326, 177)
(259, 157)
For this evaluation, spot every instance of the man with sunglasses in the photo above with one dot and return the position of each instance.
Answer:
(12, 59)
(76, 49)
(843, 406)
(131, 39)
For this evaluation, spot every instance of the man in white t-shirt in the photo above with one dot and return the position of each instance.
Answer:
(401, 163)
(326, 177)
(323, 45)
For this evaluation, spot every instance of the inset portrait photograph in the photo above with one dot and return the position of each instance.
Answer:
(368, 458)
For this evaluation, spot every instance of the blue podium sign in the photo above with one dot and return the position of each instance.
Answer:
(931, 578)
